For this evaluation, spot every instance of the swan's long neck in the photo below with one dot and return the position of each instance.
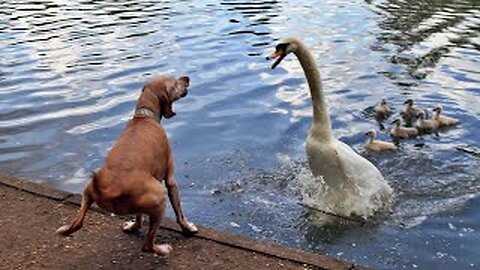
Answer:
(321, 120)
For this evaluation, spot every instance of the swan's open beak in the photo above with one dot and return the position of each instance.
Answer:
(277, 54)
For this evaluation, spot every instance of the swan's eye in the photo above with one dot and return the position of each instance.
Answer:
(281, 47)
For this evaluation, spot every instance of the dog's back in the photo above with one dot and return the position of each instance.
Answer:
(140, 154)
(143, 145)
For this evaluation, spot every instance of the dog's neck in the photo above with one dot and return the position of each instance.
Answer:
(144, 112)
(147, 106)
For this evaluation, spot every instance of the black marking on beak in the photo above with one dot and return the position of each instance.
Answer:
(278, 60)
(279, 53)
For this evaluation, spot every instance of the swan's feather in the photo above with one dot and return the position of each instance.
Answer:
(355, 184)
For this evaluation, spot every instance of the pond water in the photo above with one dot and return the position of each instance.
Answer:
(70, 72)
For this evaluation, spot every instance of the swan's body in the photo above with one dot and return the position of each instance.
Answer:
(443, 120)
(426, 125)
(398, 132)
(382, 111)
(377, 145)
(355, 186)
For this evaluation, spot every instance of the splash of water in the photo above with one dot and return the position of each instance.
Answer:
(364, 201)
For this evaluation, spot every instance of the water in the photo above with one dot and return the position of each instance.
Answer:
(70, 72)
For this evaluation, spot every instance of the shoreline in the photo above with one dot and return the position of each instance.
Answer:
(235, 245)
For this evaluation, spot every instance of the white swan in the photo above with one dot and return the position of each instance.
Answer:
(354, 185)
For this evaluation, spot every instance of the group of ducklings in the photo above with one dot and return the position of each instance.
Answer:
(416, 122)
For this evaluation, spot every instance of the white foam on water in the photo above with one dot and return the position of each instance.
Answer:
(364, 201)
(371, 195)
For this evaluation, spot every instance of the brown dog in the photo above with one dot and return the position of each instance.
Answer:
(130, 181)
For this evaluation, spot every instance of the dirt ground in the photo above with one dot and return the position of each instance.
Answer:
(30, 213)
(27, 241)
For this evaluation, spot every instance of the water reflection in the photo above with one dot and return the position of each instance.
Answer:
(258, 12)
(252, 18)
(422, 33)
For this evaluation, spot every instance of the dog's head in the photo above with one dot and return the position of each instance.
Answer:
(161, 92)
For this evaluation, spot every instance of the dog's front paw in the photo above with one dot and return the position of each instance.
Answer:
(189, 228)
(63, 231)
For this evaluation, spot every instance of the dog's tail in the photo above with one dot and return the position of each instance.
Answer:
(87, 201)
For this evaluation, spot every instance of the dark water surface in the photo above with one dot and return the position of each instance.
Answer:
(70, 72)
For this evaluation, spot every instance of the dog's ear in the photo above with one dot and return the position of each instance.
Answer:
(166, 109)
(180, 86)
(184, 79)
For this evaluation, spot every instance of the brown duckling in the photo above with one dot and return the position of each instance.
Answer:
(377, 145)
(382, 111)
(443, 120)
(425, 125)
(409, 113)
(399, 132)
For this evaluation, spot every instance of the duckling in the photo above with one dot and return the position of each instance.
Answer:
(443, 120)
(409, 113)
(399, 132)
(425, 125)
(382, 111)
(377, 145)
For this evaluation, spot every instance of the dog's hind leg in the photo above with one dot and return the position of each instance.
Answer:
(156, 202)
(77, 223)
(149, 244)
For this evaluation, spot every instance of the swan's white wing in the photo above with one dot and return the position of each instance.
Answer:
(351, 184)
(371, 192)
(357, 167)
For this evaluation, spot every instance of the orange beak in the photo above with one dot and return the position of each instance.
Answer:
(277, 54)
(274, 55)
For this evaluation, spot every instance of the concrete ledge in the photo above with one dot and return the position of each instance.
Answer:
(230, 240)
(33, 188)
